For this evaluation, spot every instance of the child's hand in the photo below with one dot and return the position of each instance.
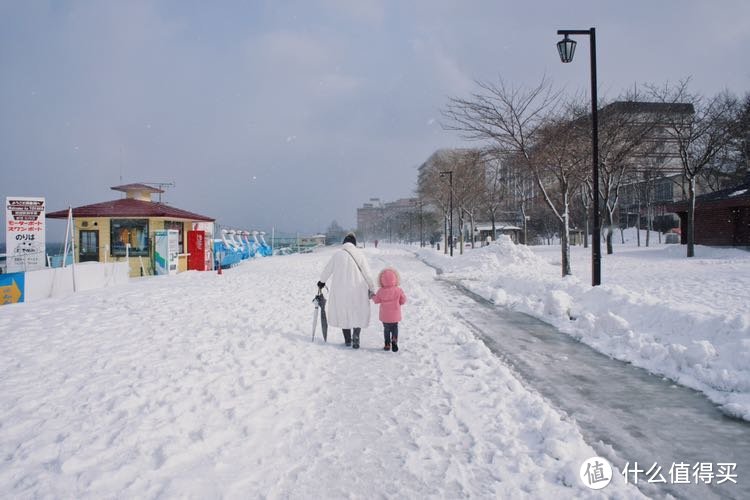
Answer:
(370, 295)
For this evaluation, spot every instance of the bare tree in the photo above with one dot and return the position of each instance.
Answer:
(494, 189)
(520, 190)
(435, 190)
(468, 187)
(700, 138)
(732, 165)
(584, 194)
(518, 122)
(626, 136)
(743, 138)
(559, 168)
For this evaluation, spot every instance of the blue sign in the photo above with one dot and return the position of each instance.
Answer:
(11, 288)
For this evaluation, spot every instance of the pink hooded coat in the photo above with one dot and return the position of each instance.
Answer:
(390, 296)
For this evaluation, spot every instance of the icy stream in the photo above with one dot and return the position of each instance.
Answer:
(624, 412)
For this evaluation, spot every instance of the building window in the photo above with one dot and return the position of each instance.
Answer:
(179, 226)
(664, 191)
(133, 231)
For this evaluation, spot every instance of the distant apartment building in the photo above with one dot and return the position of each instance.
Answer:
(655, 177)
(369, 217)
(395, 220)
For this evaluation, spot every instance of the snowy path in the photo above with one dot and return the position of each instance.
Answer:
(627, 413)
(208, 386)
(684, 319)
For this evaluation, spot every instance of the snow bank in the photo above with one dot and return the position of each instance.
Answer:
(686, 319)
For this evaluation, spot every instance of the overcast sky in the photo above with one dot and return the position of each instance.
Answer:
(293, 113)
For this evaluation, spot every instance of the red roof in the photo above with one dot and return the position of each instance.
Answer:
(129, 208)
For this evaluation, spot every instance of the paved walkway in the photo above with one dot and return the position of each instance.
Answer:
(624, 412)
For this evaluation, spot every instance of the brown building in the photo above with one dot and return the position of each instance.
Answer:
(722, 218)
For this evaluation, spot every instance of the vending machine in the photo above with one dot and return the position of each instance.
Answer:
(166, 251)
(197, 250)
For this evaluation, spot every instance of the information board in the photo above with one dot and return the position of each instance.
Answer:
(24, 234)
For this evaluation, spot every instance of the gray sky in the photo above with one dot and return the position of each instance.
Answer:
(294, 113)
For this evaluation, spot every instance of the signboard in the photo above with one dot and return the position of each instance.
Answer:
(11, 288)
(24, 233)
(166, 251)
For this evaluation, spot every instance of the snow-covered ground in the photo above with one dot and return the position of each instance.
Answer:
(206, 386)
(686, 319)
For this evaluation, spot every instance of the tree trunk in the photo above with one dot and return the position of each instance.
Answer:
(638, 223)
(523, 214)
(649, 214)
(461, 228)
(610, 218)
(586, 232)
(565, 241)
(585, 219)
(691, 219)
(471, 224)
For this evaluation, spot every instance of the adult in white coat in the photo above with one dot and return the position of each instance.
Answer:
(351, 285)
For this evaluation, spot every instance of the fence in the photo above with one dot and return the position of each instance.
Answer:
(31, 286)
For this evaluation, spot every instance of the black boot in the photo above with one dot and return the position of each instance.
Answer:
(394, 343)
(347, 337)
(355, 338)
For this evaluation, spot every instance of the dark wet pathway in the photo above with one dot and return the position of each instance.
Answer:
(625, 413)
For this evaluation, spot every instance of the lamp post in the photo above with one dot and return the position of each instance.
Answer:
(566, 48)
(449, 173)
(421, 225)
(445, 232)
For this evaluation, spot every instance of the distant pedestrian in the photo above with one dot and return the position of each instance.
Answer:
(351, 288)
(390, 297)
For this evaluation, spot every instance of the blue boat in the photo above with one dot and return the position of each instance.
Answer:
(265, 249)
(246, 243)
(226, 254)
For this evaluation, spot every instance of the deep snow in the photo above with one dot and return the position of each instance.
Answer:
(686, 319)
(204, 386)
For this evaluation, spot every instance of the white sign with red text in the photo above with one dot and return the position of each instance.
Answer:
(24, 234)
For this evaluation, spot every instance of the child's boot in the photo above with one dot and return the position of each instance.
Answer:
(394, 343)
(387, 337)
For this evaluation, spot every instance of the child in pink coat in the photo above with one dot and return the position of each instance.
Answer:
(390, 297)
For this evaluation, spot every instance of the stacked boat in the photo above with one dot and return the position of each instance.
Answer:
(234, 246)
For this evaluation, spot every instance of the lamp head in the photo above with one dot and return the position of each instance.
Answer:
(566, 48)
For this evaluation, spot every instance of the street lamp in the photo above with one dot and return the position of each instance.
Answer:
(566, 48)
(418, 203)
(421, 224)
(449, 173)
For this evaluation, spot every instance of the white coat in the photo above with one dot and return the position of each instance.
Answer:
(349, 302)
